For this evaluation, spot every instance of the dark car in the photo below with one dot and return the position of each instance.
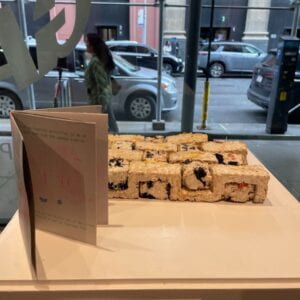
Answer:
(260, 88)
(145, 56)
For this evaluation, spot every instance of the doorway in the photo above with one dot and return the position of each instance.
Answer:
(108, 33)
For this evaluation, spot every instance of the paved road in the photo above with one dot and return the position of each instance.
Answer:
(228, 102)
(282, 159)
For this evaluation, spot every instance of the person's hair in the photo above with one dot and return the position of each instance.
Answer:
(101, 51)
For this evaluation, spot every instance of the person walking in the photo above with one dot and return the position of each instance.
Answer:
(98, 77)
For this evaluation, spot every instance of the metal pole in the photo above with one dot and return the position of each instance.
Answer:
(211, 32)
(169, 5)
(158, 124)
(206, 84)
(145, 24)
(295, 18)
(23, 22)
(190, 74)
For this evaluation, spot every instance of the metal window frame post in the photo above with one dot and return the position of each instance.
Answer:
(158, 123)
(22, 15)
(296, 6)
(145, 23)
(190, 74)
(207, 73)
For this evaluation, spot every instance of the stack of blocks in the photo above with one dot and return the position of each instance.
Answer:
(184, 167)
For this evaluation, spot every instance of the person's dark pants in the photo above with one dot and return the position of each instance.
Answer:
(112, 122)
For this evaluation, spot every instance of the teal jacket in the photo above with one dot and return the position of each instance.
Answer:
(98, 83)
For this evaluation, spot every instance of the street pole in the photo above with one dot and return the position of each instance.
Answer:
(296, 5)
(206, 84)
(158, 123)
(190, 74)
(145, 24)
(22, 14)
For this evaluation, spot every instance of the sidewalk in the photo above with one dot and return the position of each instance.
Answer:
(215, 130)
(5, 128)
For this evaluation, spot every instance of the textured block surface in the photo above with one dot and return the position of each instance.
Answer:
(129, 155)
(122, 145)
(187, 138)
(151, 155)
(187, 157)
(166, 147)
(240, 184)
(156, 179)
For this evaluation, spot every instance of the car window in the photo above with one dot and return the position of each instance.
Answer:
(233, 48)
(64, 63)
(269, 60)
(249, 49)
(213, 48)
(141, 49)
(124, 48)
(124, 64)
(32, 51)
(131, 49)
(3, 60)
(119, 48)
(79, 60)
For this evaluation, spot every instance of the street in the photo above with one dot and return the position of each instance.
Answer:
(228, 102)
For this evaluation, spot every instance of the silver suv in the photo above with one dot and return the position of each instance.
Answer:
(137, 96)
(229, 57)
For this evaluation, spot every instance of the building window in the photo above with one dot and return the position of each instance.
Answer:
(108, 32)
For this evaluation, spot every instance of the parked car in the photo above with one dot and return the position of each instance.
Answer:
(259, 91)
(229, 57)
(144, 56)
(137, 96)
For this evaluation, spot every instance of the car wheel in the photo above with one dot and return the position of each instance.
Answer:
(9, 102)
(141, 107)
(216, 70)
(168, 68)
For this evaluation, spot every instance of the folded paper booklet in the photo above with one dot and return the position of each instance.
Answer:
(61, 164)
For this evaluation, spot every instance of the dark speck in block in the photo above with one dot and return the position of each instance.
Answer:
(149, 154)
(220, 158)
(146, 195)
(150, 184)
(116, 162)
(200, 173)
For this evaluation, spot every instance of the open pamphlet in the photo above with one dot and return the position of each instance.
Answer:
(61, 166)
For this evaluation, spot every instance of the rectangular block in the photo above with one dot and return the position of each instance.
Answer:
(165, 147)
(128, 155)
(187, 157)
(188, 147)
(240, 184)
(118, 181)
(122, 145)
(125, 138)
(197, 183)
(156, 180)
(155, 139)
(196, 176)
(226, 147)
(187, 138)
(151, 155)
(233, 159)
(199, 196)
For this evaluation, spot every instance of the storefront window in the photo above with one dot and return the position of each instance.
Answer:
(244, 39)
(95, 205)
